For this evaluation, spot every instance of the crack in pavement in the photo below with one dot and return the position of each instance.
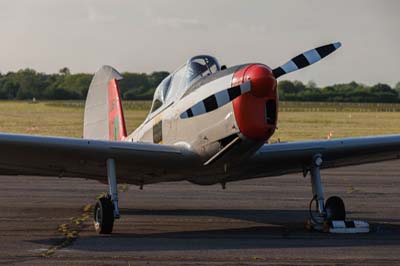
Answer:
(70, 230)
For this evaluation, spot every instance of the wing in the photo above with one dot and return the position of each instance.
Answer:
(283, 158)
(136, 163)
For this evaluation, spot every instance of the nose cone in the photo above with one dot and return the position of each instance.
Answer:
(256, 112)
(263, 82)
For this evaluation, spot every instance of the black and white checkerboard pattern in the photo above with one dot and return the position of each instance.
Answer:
(216, 100)
(306, 59)
(348, 227)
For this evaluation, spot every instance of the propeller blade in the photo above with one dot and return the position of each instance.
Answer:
(216, 100)
(306, 59)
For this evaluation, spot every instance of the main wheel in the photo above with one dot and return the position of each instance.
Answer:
(335, 209)
(104, 216)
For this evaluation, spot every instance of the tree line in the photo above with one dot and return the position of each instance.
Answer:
(345, 92)
(28, 84)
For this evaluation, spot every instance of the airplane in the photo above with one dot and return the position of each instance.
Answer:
(208, 124)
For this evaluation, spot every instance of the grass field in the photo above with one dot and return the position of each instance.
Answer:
(297, 121)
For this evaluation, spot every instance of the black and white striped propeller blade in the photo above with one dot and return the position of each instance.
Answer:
(216, 100)
(306, 59)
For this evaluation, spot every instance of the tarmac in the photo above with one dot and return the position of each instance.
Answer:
(48, 221)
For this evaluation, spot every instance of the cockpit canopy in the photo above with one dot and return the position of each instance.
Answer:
(175, 85)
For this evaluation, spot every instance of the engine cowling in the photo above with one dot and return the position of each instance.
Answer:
(256, 112)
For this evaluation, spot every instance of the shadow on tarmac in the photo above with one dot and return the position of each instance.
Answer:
(278, 229)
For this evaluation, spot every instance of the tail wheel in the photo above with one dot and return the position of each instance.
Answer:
(335, 210)
(104, 216)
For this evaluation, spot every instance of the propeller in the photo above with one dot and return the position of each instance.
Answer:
(217, 100)
(305, 59)
(223, 97)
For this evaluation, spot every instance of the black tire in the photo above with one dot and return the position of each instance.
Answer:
(335, 209)
(104, 216)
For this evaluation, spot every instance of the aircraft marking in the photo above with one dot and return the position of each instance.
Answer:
(157, 130)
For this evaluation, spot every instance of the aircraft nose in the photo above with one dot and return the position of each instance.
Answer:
(263, 82)
(256, 112)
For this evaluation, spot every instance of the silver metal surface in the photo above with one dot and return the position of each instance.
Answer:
(316, 184)
(95, 125)
(112, 185)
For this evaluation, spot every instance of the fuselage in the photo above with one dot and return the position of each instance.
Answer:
(238, 128)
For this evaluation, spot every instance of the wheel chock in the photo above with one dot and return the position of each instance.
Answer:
(339, 227)
(348, 227)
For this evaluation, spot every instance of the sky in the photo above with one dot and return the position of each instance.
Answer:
(150, 35)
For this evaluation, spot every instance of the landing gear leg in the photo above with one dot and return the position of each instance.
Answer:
(331, 215)
(106, 209)
(317, 190)
(112, 184)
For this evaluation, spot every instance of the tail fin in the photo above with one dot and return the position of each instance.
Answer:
(104, 118)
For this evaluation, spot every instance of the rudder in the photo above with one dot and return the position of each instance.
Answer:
(104, 117)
